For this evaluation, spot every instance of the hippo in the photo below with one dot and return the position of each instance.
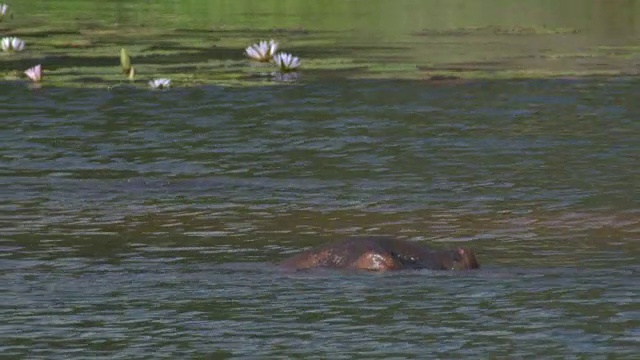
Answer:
(381, 254)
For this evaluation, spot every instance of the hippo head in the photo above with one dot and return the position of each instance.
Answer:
(463, 259)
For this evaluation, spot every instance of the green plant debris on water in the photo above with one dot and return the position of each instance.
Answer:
(105, 55)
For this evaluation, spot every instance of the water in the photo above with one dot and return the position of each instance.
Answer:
(140, 224)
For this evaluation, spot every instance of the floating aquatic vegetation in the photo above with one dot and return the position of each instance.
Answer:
(160, 84)
(287, 62)
(11, 44)
(34, 73)
(262, 51)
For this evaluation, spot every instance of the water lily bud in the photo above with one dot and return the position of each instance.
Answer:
(125, 61)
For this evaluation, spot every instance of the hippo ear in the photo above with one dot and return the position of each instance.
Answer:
(460, 251)
(455, 254)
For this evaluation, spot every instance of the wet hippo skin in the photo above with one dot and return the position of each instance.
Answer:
(381, 254)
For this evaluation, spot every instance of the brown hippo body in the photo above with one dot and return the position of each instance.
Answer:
(381, 254)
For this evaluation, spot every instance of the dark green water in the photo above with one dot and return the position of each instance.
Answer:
(138, 224)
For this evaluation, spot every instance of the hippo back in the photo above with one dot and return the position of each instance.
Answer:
(345, 254)
(380, 254)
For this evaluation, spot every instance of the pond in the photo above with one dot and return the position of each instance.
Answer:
(145, 224)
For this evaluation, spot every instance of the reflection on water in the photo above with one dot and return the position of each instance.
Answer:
(137, 224)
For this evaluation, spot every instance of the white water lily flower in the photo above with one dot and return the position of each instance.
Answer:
(17, 44)
(6, 44)
(3, 9)
(160, 84)
(34, 73)
(262, 51)
(12, 44)
(286, 62)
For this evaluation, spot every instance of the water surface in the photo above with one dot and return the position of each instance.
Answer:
(143, 224)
